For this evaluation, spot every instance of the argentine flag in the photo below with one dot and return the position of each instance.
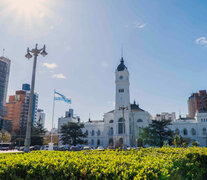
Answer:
(60, 97)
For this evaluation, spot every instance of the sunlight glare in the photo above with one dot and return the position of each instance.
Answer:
(27, 9)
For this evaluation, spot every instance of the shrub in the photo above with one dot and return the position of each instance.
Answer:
(145, 163)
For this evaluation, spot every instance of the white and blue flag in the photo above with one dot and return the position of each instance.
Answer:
(60, 97)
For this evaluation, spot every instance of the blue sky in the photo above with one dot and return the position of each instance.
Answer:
(164, 49)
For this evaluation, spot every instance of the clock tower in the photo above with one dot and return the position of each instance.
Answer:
(122, 86)
(122, 106)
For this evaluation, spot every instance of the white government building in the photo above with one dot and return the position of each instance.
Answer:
(123, 125)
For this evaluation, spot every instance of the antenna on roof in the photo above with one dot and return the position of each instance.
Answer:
(122, 51)
(3, 52)
(89, 117)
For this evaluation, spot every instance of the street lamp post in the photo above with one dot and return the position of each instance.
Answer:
(35, 53)
(123, 127)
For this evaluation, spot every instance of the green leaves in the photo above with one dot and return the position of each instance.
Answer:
(145, 163)
(71, 133)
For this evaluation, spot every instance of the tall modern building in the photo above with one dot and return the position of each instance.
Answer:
(197, 102)
(18, 107)
(40, 117)
(4, 79)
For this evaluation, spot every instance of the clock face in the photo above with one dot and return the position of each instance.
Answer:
(121, 77)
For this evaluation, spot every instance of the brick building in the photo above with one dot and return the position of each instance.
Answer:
(197, 102)
(18, 107)
(15, 108)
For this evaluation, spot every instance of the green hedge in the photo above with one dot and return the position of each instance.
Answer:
(147, 163)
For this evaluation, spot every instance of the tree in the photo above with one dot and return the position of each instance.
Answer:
(157, 132)
(5, 137)
(47, 139)
(177, 140)
(38, 133)
(71, 133)
(140, 142)
(195, 143)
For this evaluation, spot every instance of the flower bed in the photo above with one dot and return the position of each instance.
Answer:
(147, 163)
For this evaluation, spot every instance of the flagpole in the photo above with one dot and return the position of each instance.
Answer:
(53, 112)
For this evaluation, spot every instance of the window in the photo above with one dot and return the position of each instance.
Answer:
(121, 141)
(86, 132)
(121, 126)
(111, 121)
(185, 132)
(98, 132)
(121, 90)
(139, 120)
(111, 131)
(177, 131)
(98, 142)
(193, 131)
(140, 130)
(92, 142)
(204, 131)
(92, 133)
(111, 142)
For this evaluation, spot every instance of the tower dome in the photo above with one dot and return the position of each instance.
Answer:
(121, 66)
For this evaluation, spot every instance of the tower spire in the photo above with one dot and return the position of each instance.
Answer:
(122, 54)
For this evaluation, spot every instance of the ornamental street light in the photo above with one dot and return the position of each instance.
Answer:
(35, 52)
(123, 125)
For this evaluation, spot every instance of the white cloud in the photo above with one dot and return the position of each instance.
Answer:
(51, 27)
(104, 64)
(59, 76)
(50, 65)
(41, 15)
(68, 48)
(140, 26)
(201, 41)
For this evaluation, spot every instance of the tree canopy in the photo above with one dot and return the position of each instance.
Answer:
(5, 137)
(38, 133)
(71, 133)
(157, 132)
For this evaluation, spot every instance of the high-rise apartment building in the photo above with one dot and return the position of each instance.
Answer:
(18, 107)
(4, 79)
(40, 117)
(197, 102)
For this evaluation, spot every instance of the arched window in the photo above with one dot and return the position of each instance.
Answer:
(193, 131)
(177, 131)
(98, 132)
(204, 131)
(111, 121)
(121, 126)
(111, 142)
(139, 120)
(92, 133)
(121, 141)
(140, 130)
(185, 131)
(92, 142)
(98, 142)
(111, 131)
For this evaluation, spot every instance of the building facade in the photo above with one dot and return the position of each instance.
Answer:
(18, 107)
(197, 102)
(123, 125)
(40, 117)
(4, 79)
(165, 116)
(69, 117)
(194, 129)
